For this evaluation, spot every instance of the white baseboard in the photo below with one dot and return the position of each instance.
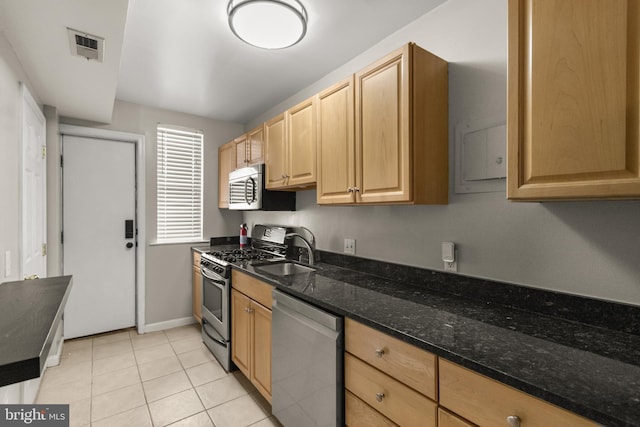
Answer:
(161, 326)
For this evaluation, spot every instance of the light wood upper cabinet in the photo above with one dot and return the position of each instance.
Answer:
(291, 148)
(573, 106)
(276, 152)
(400, 139)
(336, 144)
(249, 148)
(226, 164)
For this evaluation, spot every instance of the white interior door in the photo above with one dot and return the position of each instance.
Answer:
(34, 189)
(98, 197)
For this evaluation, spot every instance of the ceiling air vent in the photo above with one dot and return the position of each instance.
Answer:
(86, 45)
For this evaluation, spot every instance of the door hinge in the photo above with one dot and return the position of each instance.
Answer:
(61, 237)
(44, 151)
(61, 161)
(44, 249)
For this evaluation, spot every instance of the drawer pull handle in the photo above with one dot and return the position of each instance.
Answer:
(513, 421)
(379, 352)
(379, 397)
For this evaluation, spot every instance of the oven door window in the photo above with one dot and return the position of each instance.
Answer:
(213, 296)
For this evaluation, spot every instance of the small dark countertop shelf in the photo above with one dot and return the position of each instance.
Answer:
(30, 312)
(578, 353)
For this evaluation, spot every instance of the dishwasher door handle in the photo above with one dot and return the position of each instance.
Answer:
(303, 310)
(288, 315)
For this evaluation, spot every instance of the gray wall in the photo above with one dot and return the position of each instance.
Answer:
(168, 267)
(587, 248)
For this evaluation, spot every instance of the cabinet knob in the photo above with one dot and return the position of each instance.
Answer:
(248, 310)
(350, 190)
(379, 396)
(513, 421)
(379, 352)
(356, 189)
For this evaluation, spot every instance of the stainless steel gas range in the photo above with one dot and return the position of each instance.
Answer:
(267, 243)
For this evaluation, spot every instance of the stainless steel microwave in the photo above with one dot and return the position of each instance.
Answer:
(247, 192)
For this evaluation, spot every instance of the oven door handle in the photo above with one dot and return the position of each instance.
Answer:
(222, 283)
(206, 324)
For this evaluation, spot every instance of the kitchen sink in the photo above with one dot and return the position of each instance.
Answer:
(284, 268)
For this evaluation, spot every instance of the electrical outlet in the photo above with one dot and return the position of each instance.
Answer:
(451, 266)
(350, 246)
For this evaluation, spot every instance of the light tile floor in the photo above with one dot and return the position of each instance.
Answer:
(156, 379)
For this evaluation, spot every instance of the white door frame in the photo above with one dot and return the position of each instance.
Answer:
(28, 102)
(87, 132)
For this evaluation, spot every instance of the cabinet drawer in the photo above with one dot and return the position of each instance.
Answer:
(487, 402)
(401, 404)
(447, 419)
(254, 288)
(408, 364)
(359, 414)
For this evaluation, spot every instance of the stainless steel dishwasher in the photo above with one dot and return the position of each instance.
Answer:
(307, 364)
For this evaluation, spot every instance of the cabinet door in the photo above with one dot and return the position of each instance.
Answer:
(241, 332)
(226, 163)
(301, 143)
(197, 293)
(276, 153)
(573, 99)
(383, 169)
(241, 144)
(255, 144)
(261, 340)
(336, 145)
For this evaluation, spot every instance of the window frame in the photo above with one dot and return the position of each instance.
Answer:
(174, 145)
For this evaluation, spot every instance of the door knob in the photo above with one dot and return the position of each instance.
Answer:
(129, 245)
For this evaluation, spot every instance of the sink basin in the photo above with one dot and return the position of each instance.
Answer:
(284, 268)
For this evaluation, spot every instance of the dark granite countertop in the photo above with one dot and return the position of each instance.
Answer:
(30, 312)
(578, 353)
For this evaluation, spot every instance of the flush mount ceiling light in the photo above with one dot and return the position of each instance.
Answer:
(269, 24)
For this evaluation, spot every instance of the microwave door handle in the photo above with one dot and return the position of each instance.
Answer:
(253, 190)
(251, 193)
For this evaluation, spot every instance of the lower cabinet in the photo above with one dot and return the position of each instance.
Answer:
(447, 419)
(251, 330)
(487, 402)
(387, 380)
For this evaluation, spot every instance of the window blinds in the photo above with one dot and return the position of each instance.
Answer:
(179, 173)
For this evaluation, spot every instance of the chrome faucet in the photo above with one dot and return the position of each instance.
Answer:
(309, 244)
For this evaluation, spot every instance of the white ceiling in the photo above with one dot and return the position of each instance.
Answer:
(181, 55)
